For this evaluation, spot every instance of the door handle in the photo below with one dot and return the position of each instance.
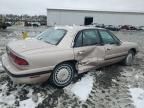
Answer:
(80, 52)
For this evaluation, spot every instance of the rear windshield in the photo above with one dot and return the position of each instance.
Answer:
(52, 36)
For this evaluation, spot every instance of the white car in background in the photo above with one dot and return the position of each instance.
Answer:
(61, 52)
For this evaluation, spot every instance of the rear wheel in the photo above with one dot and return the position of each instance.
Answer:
(62, 75)
(128, 61)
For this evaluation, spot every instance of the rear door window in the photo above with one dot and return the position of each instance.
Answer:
(87, 38)
(78, 41)
(90, 37)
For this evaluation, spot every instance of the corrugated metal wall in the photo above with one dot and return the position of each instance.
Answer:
(70, 17)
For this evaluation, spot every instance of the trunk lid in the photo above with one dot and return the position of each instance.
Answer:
(27, 45)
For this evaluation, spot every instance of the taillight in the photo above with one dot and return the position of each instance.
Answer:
(18, 60)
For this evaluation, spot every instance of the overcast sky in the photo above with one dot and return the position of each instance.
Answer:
(37, 7)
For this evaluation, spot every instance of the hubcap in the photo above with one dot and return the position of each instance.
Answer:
(63, 74)
(129, 59)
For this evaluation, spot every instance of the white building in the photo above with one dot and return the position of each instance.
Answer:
(84, 17)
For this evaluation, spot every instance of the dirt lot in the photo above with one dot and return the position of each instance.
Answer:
(114, 86)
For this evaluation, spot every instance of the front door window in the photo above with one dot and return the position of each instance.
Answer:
(106, 37)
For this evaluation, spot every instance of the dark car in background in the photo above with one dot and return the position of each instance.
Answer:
(128, 27)
(112, 28)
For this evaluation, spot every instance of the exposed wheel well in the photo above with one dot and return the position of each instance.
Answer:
(134, 50)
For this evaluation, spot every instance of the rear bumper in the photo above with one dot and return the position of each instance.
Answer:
(24, 76)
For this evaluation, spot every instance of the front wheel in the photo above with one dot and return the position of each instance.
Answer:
(4, 27)
(62, 75)
(128, 61)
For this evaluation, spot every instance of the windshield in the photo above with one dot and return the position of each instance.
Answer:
(52, 36)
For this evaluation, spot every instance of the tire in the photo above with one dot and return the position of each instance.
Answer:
(128, 61)
(62, 75)
(4, 27)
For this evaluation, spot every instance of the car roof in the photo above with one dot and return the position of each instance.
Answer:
(77, 28)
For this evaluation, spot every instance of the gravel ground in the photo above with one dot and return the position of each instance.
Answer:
(110, 88)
